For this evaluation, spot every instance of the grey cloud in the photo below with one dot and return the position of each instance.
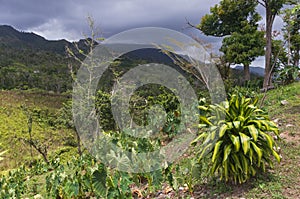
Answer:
(27, 14)
(67, 18)
(112, 16)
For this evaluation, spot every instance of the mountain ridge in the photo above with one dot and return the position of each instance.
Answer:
(253, 70)
(13, 38)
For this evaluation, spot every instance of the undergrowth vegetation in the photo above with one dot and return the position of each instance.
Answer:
(236, 142)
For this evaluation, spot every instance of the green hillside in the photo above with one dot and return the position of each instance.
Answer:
(29, 61)
(16, 107)
(281, 182)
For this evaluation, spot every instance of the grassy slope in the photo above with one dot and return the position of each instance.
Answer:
(13, 123)
(284, 181)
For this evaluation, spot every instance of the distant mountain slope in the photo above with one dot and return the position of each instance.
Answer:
(253, 69)
(28, 60)
(10, 37)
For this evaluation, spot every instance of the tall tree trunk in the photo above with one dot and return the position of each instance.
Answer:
(78, 143)
(289, 47)
(247, 72)
(297, 57)
(269, 24)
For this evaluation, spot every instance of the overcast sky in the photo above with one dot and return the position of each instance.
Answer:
(58, 19)
(67, 19)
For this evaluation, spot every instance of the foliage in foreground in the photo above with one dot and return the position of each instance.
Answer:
(236, 139)
(81, 177)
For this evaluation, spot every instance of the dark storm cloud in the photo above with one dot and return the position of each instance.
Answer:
(58, 19)
(66, 18)
(29, 13)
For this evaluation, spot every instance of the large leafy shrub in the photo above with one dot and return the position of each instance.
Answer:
(288, 74)
(237, 139)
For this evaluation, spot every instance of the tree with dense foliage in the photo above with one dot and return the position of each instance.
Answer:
(226, 18)
(239, 20)
(243, 47)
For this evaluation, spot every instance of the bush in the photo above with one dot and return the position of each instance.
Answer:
(248, 91)
(288, 74)
(236, 139)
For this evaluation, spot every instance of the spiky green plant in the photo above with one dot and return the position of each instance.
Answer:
(236, 138)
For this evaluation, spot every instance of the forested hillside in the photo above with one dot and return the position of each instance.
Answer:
(29, 61)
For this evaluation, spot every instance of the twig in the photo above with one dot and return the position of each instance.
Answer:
(190, 24)
(269, 76)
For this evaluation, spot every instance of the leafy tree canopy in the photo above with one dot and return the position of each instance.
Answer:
(229, 16)
(244, 46)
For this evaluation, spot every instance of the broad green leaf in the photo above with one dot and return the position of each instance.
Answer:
(213, 134)
(273, 127)
(244, 164)
(241, 119)
(229, 125)
(71, 188)
(205, 120)
(214, 167)
(120, 160)
(225, 166)
(237, 124)
(197, 139)
(235, 100)
(99, 182)
(251, 155)
(257, 110)
(253, 132)
(258, 152)
(216, 150)
(204, 151)
(236, 161)
(277, 157)
(222, 131)
(203, 108)
(256, 123)
(236, 142)
(200, 126)
(245, 140)
(266, 124)
(232, 167)
(255, 101)
(227, 151)
(269, 139)
(253, 171)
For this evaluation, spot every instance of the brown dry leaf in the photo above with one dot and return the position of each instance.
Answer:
(137, 193)
(168, 189)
